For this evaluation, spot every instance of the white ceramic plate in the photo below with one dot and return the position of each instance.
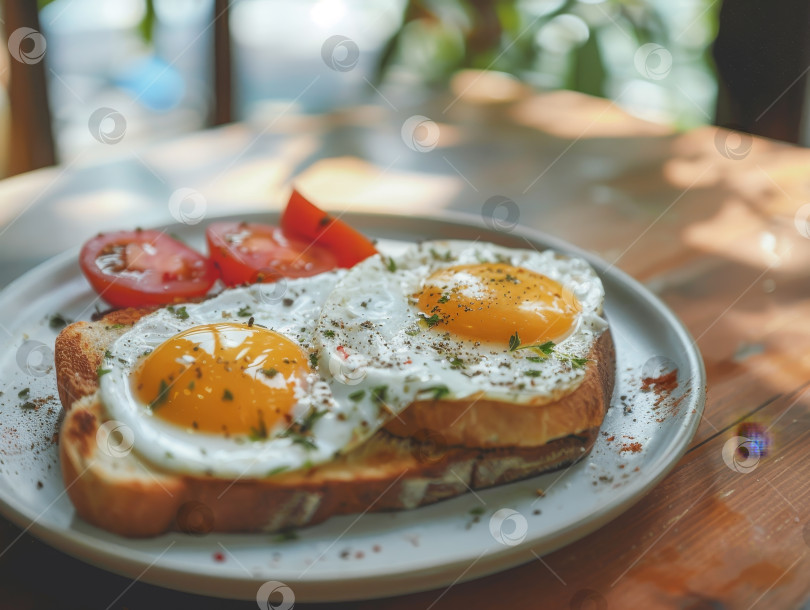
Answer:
(372, 555)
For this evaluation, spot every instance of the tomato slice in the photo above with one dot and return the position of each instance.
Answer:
(304, 220)
(251, 252)
(136, 268)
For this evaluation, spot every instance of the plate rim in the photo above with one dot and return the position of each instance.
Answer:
(107, 555)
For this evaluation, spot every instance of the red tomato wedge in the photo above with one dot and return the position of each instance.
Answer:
(250, 252)
(136, 268)
(304, 220)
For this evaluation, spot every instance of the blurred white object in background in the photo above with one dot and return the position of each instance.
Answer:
(97, 58)
(288, 56)
(315, 55)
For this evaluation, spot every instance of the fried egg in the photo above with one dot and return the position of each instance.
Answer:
(229, 387)
(455, 319)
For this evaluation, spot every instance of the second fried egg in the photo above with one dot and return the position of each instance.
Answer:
(454, 319)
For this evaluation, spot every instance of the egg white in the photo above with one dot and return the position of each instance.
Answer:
(291, 308)
(369, 335)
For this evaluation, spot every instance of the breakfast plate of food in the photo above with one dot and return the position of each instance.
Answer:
(333, 407)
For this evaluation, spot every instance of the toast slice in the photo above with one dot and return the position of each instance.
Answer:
(484, 423)
(113, 488)
(119, 492)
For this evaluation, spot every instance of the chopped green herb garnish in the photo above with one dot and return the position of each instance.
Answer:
(269, 373)
(456, 363)
(101, 372)
(108, 354)
(310, 420)
(447, 256)
(260, 433)
(436, 392)
(392, 264)
(444, 298)
(277, 470)
(412, 333)
(244, 312)
(535, 359)
(313, 360)
(226, 395)
(191, 385)
(286, 536)
(511, 278)
(357, 396)
(478, 510)
(514, 342)
(162, 395)
(577, 363)
(533, 373)
(379, 394)
(180, 312)
(432, 320)
(544, 348)
(24, 392)
(298, 439)
(57, 321)
(28, 405)
(329, 333)
(115, 326)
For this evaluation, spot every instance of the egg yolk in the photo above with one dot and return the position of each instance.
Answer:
(490, 302)
(223, 378)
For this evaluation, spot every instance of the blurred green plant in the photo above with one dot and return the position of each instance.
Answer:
(439, 37)
(583, 45)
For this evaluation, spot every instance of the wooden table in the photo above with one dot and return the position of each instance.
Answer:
(711, 221)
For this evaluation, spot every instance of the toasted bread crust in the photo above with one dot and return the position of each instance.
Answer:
(119, 492)
(79, 351)
(122, 494)
(478, 422)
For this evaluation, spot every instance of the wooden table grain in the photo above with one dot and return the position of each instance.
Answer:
(714, 222)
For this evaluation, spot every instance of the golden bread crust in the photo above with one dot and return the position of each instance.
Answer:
(479, 422)
(79, 350)
(122, 494)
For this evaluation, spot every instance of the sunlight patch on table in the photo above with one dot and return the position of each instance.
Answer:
(570, 115)
(349, 183)
(737, 232)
